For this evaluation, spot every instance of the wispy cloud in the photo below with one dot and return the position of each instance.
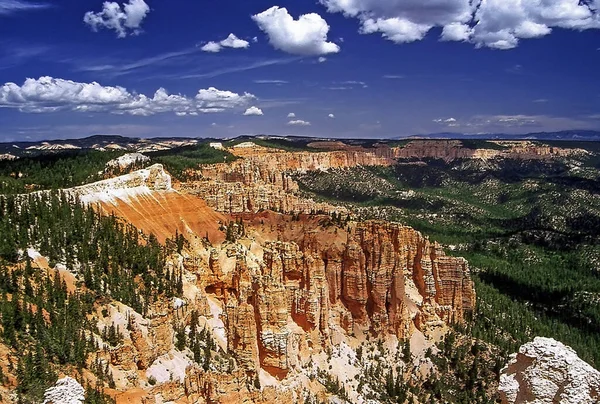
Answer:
(237, 69)
(347, 85)
(17, 53)
(516, 69)
(8, 7)
(393, 76)
(271, 81)
(189, 63)
(116, 69)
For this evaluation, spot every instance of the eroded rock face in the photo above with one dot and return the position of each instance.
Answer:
(546, 371)
(386, 278)
(261, 179)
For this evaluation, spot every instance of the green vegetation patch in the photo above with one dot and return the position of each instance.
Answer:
(179, 160)
(53, 171)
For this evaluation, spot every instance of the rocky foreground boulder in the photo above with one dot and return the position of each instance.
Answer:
(546, 371)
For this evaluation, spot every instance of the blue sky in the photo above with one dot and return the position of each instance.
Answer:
(336, 68)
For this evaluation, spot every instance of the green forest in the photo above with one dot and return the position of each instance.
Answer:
(53, 171)
(115, 262)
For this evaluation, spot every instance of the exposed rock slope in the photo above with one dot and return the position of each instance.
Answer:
(65, 391)
(146, 199)
(546, 371)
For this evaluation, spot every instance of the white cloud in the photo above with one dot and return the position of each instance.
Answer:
(322, 59)
(356, 83)
(450, 122)
(231, 41)
(291, 115)
(397, 30)
(456, 32)
(214, 98)
(8, 7)
(299, 122)
(212, 47)
(253, 111)
(306, 36)
(331, 116)
(48, 94)
(498, 24)
(127, 20)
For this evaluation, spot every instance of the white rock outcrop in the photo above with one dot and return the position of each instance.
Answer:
(132, 185)
(66, 391)
(546, 372)
(126, 161)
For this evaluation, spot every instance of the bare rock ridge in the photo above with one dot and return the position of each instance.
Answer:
(147, 199)
(449, 150)
(140, 182)
(546, 371)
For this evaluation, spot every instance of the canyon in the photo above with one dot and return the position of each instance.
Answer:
(288, 289)
(284, 294)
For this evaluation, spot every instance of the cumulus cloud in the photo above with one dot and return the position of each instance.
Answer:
(306, 36)
(48, 94)
(298, 122)
(398, 30)
(211, 46)
(331, 116)
(231, 41)
(322, 59)
(253, 111)
(291, 115)
(498, 24)
(124, 21)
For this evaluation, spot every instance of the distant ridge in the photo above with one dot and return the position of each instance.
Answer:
(570, 135)
(103, 142)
